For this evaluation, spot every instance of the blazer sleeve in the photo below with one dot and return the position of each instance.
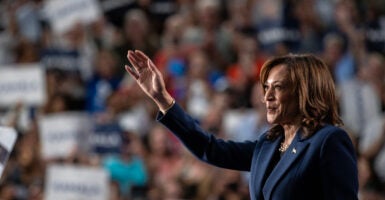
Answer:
(339, 167)
(205, 146)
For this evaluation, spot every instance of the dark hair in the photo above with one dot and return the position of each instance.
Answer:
(313, 85)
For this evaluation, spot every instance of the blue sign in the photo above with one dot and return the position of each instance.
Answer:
(106, 138)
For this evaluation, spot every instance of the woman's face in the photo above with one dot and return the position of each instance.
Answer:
(281, 102)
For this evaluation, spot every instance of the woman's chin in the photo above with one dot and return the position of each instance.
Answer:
(270, 120)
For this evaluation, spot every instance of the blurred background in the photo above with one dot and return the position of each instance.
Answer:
(86, 131)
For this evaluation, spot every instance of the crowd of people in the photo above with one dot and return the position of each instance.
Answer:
(210, 53)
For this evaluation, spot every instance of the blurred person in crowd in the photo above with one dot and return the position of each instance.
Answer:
(25, 168)
(136, 34)
(344, 46)
(349, 23)
(340, 62)
(210, 34)
(22, 32)
(287, 26)
(170, 41)
(199, 89)
(159, 11)
(164, 163)
(306, 20)
(213, 120)
(372, 151)
(64, 91)
(80, 41)
(194, 177)
(245, 72)
(28, 29)
(104, 81)
(364, 175)
(239, 16)
(173, 54)
(104, 34)
(223, 184)
(135, 114)
(27, 16)
(300, 157)
(371, 141)
(127, 169)
(267, 17)
(374, 25)
(247, 124)
(68, 59)
(375, 75)
(8, 35)
(359, 101)
(164, 159)
(170, 189)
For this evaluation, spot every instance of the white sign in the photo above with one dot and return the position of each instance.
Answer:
(64, 14)
(22, 83)
(69, 182)
(61, 133)
(7, 141)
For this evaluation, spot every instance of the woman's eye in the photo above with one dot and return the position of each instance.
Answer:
(265, 87)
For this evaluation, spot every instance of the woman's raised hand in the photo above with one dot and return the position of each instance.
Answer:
(149, 79)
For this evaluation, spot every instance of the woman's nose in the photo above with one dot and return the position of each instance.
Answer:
(269, 95)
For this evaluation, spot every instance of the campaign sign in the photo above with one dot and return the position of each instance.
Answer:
(63, 15)
(7, 141)
(65, 182)
(66, 60)
(22, 83)
(61, 133)
(106, 138)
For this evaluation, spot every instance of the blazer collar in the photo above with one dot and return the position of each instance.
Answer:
(295, 150)
(262, 162)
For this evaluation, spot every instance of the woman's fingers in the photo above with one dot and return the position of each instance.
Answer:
(150, 65)
(141, 56)
(133, 59)
(132, 72)
(153, 68)
(139, 60)
(140, 63)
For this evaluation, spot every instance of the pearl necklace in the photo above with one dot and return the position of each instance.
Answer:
(283, 147)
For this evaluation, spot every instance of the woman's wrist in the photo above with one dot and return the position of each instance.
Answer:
(165, 102)
(165, 109)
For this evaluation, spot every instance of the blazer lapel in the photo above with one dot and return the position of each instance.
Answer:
(262, 162)
(295, 150)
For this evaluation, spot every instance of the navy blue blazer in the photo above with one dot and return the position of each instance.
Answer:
(322, 166)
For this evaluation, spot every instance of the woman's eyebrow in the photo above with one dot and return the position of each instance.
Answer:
(275, 82)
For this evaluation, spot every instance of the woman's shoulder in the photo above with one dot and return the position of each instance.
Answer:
(329, 138)
(329, 131)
